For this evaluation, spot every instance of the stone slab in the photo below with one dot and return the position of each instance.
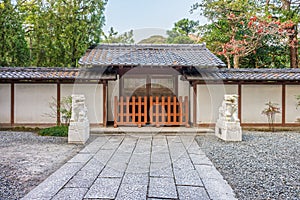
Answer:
(94, 147)
(70, 194)
(200, 159)
(214, 182)
(187, 192)
(136, 179)
(49, 187)
(187, 177)
(161, 170)
(114, 172)
(104, 188)
(208, 172)
(160, 157)
(219, 189)
(162, 188)
(81, 157)
(83, 179)
(132, 192)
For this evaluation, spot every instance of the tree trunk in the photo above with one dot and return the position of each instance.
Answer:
(293, 41)
(228, 62)
(236, 61)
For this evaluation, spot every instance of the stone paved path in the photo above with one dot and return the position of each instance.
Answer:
(136, 167)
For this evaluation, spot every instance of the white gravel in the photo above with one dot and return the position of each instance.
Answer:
(263, 166)
(26, 159)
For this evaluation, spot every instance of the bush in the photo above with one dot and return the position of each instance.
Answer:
(58, 131)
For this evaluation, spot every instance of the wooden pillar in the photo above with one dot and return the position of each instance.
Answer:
(105, 104)
(58, 98)
(12, 104)
(283, 95)
(195, 105)
(240, 102)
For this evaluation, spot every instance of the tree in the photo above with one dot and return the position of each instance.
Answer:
(60, 31)
(182, 31)
(154, 39)
(186, 26)
(115, 37)
(230, 23)
(288, 11)
(270, 111)
(13, 46)
(247, 36)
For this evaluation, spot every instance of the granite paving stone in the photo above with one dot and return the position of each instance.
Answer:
(48, 188)
(139, 169)
(128, 167)
(183, 163)
(160, 149)
(191, 193)
(208, 172)
(136, 178)
(162, 188)
(200, 159)
(104, 188)
(95, 145)
(70, 194)
(94, 165)
(188, 177)
(81, 157)
(132, 192)
(160, 157)
(119, 157)
(161, 170)
(113, 171)
(104, 155)
(219, 189)
(83, 179)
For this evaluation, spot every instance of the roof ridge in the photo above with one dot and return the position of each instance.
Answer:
(120, 45)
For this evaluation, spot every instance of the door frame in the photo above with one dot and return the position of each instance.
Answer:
(148, 79)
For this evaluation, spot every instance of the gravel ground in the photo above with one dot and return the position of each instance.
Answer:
(26, 159)
(263, 166)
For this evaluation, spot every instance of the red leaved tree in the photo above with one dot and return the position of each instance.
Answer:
(247, 35)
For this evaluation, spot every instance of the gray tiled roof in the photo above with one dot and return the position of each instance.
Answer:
(286, 74)
(24, 73)
(151, 55)
(95, 73)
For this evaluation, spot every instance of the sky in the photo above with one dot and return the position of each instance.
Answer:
(147, 17)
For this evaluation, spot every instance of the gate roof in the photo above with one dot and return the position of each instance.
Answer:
(172, 55)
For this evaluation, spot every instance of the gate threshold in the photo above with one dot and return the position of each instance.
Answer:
(151, 130)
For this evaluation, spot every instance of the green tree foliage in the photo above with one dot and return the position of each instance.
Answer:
(60, 31)
(13, 46)
(182, 31)
(115, 37)
(245, 41)
(154, 39)
(287, 11)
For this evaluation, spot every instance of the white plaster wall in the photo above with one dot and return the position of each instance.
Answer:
(94, 98)
(292, 113)
(209, 99)
(183, 87)
(113, 90)
(4, 103)
(254, 98)
(32, 103)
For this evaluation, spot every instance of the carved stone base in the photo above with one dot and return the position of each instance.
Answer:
(228, 131)
(79, 132)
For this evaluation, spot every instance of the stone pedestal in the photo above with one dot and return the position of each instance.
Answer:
(228, 131)
(79, 132)
(79, 128)
(228, 126)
